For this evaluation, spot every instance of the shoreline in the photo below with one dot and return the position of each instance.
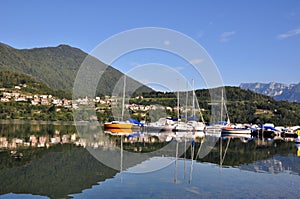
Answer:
(42, 122)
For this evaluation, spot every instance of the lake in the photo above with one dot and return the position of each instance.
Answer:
(52, 161)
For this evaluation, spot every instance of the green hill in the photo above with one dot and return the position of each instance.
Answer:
(58, 66)
(10, 79)
(244, 106)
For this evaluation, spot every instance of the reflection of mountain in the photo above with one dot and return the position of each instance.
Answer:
(279, 164)
(258, 156)
(62, 170)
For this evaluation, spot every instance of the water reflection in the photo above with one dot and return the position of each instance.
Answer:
(52, 160)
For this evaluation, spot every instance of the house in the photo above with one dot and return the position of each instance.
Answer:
(57, 102)
(66, 103)
(4, 99)
(21, 99)
(44, 101)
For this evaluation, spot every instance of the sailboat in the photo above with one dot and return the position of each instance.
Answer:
(191, 124)
(197, 126)
(228, 128)
(120, 124)
(182, 126)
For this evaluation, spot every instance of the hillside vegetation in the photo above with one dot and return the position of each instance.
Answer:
(58, 66)
(25, 85)
(243, 106)
(10, 79)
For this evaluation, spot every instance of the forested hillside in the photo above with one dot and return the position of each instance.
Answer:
(10, 79)
(244, 106)
(58, 66)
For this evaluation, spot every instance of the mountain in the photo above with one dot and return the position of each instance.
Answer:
(10, 79)
(289, 92)
(243, 106)
(58, 66)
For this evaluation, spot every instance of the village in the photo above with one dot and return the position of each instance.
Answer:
(16, 95)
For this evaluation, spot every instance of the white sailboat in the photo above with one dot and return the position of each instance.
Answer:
(198, 126)
(192, 125)
(163, 124)
(230, 128)
(182, 126)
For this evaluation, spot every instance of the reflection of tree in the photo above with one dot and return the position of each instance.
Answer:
(55, 172)
(24, 130)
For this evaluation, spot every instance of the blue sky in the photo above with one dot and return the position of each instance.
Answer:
(250, 41)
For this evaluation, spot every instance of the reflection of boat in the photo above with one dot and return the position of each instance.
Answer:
(291, 131)
(298, 147)
(238, 135)
(267, 131)
(119, 131)
(199, 134)
(118, 125)
(245, 138)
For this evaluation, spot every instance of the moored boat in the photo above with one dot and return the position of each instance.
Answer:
(197, 126)
(118, 125)
(163, 124)
(232, 130)
(297, 140)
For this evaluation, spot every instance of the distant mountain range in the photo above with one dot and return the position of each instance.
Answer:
(58, 66)
(289, 92)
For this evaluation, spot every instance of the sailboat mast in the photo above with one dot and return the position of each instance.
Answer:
(186, 100)
(123, 98)
(193, 98)
(178, 103)
(222, 104)
(225, 108)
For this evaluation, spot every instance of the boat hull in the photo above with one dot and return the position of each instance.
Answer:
(236, 131)
(159, 128)
(118, 126)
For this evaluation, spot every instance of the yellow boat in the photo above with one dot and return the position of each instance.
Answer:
(118, 125)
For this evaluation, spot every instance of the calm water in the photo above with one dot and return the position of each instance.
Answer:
(49, 161)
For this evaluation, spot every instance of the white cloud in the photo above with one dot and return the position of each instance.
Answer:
(179, 68)
(196, 61)
(167, 42)
(200, 34)
(225, 36)
(290, 33)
